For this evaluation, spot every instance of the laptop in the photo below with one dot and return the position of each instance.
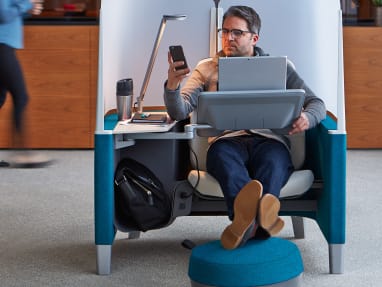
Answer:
(240, 110)
(252, 73)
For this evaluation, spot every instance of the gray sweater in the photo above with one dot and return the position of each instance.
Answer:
(181, 102)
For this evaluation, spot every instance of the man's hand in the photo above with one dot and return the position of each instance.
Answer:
(300, 125)
(175, 76)
(37, 7)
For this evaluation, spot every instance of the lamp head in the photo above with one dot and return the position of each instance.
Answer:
(174, 17)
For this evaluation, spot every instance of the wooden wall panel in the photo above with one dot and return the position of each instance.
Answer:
(60, 70)
(60, 66)
(94, 42)
(363, 86)
(61, 37)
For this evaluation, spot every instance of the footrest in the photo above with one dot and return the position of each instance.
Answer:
(271, 262)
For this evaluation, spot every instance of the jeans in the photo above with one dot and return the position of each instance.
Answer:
(12, 80)
(235, 161)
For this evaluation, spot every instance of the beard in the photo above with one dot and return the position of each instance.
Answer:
(233, 50)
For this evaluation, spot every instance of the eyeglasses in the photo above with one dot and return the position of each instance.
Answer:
(235, 33)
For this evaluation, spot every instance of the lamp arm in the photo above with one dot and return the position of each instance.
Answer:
(151, 64)
(217, 25)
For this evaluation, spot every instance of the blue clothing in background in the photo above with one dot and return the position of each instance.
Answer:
(11, 21)
(11, 75)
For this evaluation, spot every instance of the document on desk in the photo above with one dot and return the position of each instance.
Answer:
(126, 127)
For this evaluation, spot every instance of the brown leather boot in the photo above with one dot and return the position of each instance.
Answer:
(268, 216)
(243, 226)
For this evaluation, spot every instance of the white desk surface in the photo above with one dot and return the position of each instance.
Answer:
(126, 127)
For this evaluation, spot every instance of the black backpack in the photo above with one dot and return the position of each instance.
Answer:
(140, 201)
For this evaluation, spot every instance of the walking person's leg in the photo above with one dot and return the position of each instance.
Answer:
(12, 80)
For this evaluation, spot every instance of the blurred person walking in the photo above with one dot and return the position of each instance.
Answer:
(11, 75)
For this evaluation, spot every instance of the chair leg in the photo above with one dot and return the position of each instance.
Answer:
(103, 259)
(298, 227)
(134, 234)
(336, 258)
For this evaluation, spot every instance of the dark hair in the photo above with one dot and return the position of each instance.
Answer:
(246, 13)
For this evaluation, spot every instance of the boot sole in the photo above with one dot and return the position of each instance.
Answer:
(245, 211)
(268, 214)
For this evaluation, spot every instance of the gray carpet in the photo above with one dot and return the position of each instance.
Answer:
(47, 234)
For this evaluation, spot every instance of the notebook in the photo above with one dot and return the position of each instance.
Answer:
(252, 73)
(240, 110)
(149, 118)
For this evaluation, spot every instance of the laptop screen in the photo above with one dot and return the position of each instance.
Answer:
(252, 73)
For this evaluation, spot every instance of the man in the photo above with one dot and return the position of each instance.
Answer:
(250, 166)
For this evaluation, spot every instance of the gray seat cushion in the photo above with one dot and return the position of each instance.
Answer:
(299, 182)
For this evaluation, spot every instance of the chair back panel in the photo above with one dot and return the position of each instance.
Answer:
(297, 149)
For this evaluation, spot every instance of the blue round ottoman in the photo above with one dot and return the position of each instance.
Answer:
(271, 262)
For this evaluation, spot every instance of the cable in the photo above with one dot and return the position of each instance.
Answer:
(196, 165)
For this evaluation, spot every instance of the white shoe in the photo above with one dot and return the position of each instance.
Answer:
(4, 163)
(29, 159)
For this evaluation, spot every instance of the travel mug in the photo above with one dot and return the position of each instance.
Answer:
(124, 99)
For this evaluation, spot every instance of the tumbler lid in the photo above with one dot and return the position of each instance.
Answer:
(125, 87)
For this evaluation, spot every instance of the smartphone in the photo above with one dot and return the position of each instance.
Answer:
(178, 55)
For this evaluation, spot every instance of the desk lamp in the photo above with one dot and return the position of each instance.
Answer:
(153, 56)
(217, 25)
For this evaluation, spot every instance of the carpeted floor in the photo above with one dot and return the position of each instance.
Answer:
(47, 234)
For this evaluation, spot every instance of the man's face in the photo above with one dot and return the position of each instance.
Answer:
(241, 46)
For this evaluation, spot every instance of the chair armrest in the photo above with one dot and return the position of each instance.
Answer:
(325, 145)
(329, 123)
(326, 157)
